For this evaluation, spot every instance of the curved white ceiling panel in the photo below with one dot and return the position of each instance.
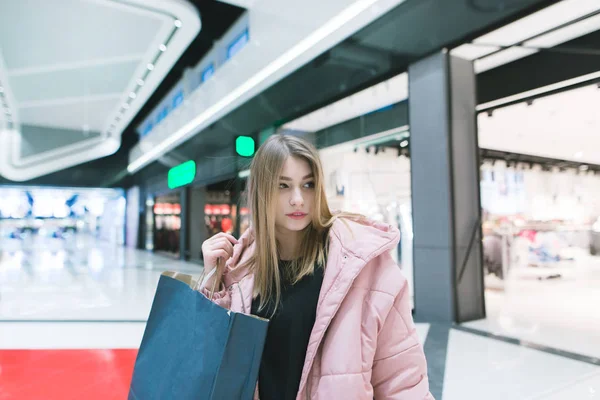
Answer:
(76, 115)
(88, 67)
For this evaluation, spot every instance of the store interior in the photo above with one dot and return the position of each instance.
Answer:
(211, 210)
(220, 211)
(540, 198)
(52, 213)
(167, 223)
(541, 220)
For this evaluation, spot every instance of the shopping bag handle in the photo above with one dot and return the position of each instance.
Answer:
(205, 277)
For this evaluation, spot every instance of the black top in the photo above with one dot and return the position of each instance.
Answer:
(287, 336)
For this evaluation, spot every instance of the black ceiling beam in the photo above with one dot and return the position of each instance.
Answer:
(573, 59)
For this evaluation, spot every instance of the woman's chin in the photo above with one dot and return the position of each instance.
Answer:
(296, 226)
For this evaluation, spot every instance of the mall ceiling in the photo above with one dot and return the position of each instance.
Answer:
(217, 17)
(378, 52)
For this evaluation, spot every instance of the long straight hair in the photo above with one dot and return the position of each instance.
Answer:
(262, 189)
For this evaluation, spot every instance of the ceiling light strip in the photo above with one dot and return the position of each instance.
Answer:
(589, 78)
(162, 48)
(296, 51)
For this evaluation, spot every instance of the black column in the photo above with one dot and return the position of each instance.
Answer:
(184, 241)
(142, 226)
(445, 190)
(197, 227)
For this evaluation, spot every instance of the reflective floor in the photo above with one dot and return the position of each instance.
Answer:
(561, 313)
(72, 314)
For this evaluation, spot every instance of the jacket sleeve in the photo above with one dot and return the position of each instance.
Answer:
(399, 367)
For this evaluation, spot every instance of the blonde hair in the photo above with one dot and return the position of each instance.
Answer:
(263, 186)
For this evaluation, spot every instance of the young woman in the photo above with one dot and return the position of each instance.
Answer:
(340, 320)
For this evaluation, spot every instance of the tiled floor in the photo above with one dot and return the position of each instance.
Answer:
(72, 316)
(561, 313)
(483, 368)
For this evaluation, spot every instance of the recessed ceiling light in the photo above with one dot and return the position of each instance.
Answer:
(404, 143)
(584, 167)
(162, 47)
(132, 95)
(177, 23)
(150, 67)
(140, 82)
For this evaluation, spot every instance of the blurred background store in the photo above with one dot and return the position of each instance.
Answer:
(42, 213)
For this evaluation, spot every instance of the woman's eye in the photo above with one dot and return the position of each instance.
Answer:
(283, 186)
(309, 185)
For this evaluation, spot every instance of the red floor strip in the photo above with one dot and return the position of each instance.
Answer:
(65, 374)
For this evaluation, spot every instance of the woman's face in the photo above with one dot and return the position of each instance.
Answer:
(295, 196)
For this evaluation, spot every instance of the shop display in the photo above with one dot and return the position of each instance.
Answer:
(537, 223)
(222, 218)
(218, 219)
(167, 225)
(59, 213)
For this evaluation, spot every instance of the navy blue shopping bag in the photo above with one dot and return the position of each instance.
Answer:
(195, 349)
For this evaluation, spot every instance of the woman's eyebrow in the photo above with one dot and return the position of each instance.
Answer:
(287, 178)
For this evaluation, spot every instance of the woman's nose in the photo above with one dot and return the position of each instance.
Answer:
(297, 199)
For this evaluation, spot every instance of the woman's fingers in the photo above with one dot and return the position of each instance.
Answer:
(219, 246)
(223, 244)
(221, 254)
(229, 237)
(229, 247)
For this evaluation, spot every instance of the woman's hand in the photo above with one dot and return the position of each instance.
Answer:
(217, 247)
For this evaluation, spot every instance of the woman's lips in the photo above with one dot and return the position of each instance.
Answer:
(297, 215)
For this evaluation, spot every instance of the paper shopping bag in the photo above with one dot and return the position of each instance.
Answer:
(195, 349)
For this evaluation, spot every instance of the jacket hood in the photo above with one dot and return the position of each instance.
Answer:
(362, 238)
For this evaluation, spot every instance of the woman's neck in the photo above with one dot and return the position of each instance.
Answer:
(289, 244)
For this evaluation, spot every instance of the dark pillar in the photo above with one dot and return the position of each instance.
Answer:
(198, 232)
(142, 225)
(184, 241)
(445, 190)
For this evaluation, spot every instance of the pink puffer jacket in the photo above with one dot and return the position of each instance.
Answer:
(364, 344)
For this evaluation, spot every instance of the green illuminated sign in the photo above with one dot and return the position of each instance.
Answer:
(182, 174)
(244, 146)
